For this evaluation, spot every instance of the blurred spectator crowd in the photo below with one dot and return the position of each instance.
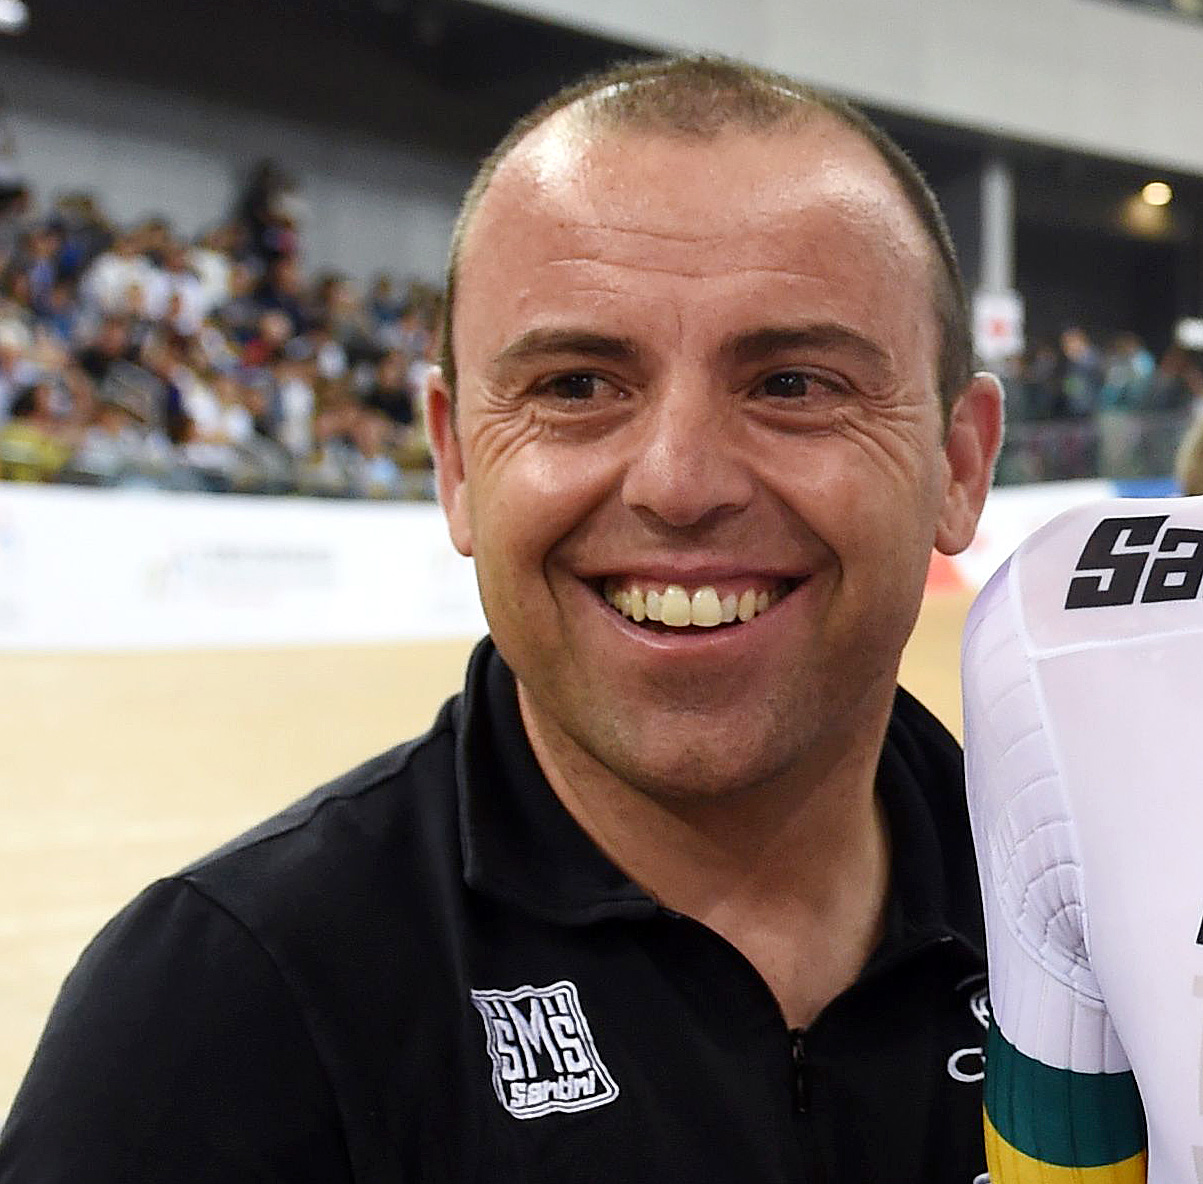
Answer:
(130, 355)
(1077, 408)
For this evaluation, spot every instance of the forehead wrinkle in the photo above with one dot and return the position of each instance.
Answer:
(613, 228)
(719, 269)
(621, 265)
(594, 287)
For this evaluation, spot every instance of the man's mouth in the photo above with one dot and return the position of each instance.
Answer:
(706, 606)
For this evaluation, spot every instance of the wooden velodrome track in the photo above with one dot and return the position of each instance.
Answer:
(116, 769)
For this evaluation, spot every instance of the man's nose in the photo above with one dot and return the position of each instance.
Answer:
(688, 470)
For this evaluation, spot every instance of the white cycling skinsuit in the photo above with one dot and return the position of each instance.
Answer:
(1083, 687)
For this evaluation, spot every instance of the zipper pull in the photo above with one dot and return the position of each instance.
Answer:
(797, 1043)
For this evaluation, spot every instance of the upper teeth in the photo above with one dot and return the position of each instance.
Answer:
(677, 607)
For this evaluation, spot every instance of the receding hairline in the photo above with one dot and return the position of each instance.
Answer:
(698, 98)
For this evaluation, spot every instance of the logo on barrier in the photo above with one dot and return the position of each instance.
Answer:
(543, 1053)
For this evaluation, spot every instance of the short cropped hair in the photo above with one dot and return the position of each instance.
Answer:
(698, 97)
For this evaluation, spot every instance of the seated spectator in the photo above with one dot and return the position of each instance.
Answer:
(239, 315)
(212, 260)
(156, 238)
(1083, 373)
(162, 359)
(410, 333)
(390, 391)
(185, 308)
(17, 370)
(119, 447)
(1127, 373)
(61, 313)
(328, 470)
(197, 465)
(282, 288)
(16, 292)
(384, 302)
(258, 392)
(16, 202)
(213, 350)
(338, 309)
(211, 404)
(373, 468)
(78, 393)
(273, 332)
(123, 281)
(1170, 387)
(295, 400)
(1127, 376)
(111, 342)
(34, 444)
(86, 232)
(1040, 382)
(37, 263)
(131, 384)
(329, 357)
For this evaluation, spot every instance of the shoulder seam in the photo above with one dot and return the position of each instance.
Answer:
(185, 881)
(404, 753)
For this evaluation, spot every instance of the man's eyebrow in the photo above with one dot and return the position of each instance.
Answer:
(759, 344)
(538, 343)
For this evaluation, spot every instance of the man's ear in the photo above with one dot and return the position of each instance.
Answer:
(448, 460)
(971, 445)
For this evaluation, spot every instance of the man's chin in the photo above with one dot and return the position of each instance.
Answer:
(689, 755)
(696, 775)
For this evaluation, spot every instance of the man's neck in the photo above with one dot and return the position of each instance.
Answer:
(794, 873)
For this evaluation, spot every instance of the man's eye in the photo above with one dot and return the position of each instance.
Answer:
(576, 387)
(789, 384)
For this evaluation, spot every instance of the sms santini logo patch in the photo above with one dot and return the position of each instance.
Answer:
(543, 1054)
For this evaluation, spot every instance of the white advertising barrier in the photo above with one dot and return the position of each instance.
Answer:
(85, 569)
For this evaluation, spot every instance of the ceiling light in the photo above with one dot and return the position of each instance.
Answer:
(1188, 333)
(14, 16)
(1156, 193)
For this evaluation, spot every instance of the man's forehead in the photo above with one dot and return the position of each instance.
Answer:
(589, 169)
(551, 153)
(581, 158)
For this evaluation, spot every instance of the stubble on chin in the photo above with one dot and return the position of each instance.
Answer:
(684, 758)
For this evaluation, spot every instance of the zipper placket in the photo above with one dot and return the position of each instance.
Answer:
(797, 1046)
(804, 1129)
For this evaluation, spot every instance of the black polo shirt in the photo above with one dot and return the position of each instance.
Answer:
(426, 971)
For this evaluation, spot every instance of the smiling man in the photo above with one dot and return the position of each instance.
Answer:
(681, 887)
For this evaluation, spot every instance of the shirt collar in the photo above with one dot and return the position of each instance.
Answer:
(519, 843)
(934, 890)
(521, 846)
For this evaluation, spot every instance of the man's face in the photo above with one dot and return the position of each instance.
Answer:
(705, 369)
